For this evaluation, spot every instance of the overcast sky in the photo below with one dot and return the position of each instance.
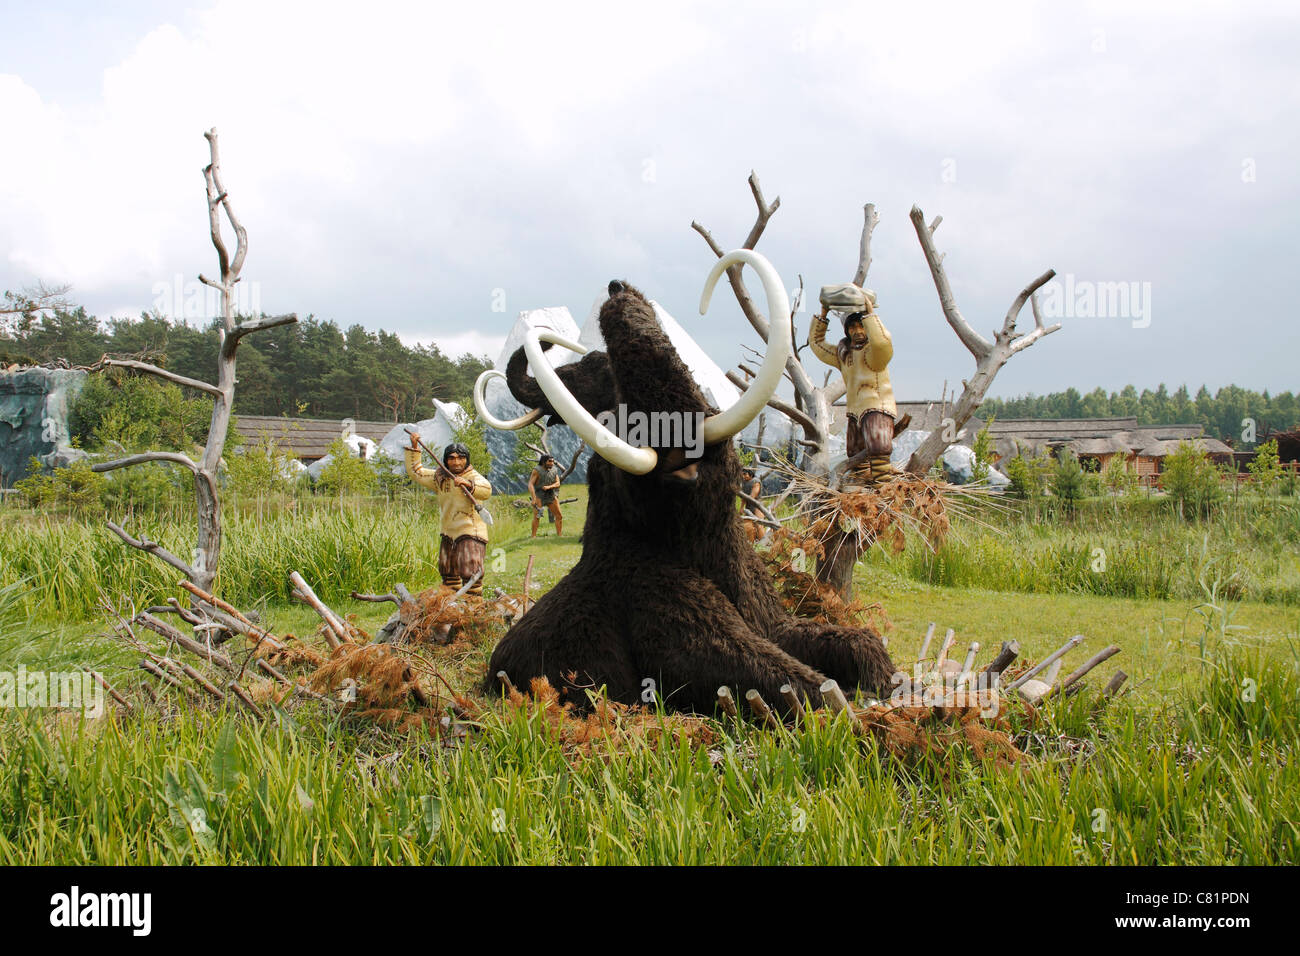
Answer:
(418, 169)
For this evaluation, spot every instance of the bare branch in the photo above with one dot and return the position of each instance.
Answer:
(145, 367)
(809, 426)
(975, 343)
(175, 457)
(1009, 323)
(241, 235)
(768, 518)
(864, 250)
(152, 547)
(264, 322)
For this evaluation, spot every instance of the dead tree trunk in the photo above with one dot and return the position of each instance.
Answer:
(989, 356)
(811, 410)
(201, 569)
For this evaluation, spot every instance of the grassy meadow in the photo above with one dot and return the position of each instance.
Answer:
(1194, 763)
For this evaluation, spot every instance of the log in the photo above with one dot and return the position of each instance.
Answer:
(760, 708)
(336, 634)
(403, 595)
(726, 701)
(1098, 658)
(1112, 688)
(241, 626)
(376, 598)
(1009, 652)
(1047, 661)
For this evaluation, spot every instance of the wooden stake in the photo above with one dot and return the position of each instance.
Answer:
(158, 672)
(792, 701)
(726, 701)
(835, 698)
(969, 663)
(1009, 652)
(760, 708)
(1098, 658)
(528, 580)
(1112, 688)
(1047, 661)
(158, 626)
(505, 680)
(925, 644)
(949, 640)
(247, 701)
(336, 634)
(99, 679)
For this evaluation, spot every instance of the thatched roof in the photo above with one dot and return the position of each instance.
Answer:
(307, 438)
(1090, 437)
(1060, 429)
(1162, 447)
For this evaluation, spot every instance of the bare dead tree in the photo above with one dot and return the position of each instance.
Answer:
(37, 299)
(812, 402)
(201, 570)
(989, 356)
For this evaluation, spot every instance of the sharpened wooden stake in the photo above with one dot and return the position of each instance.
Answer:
(1112, 688)
(504, 678)
(792, 701)
(925, 644)
(528, 582)
(760, 708)
(949, 640)
(835, 698)
(726, 701)
(1047, 661)
(159, 626)
(1009, 652)
(1098, 658)
(966, 666)
(336, 634)
(202, 681)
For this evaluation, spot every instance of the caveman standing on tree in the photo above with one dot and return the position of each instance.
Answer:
(862, 357)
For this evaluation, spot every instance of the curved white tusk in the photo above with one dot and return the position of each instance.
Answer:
(480, 403)
(607, 445)
(726, 423)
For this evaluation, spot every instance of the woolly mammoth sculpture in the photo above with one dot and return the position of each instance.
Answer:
(668, 588)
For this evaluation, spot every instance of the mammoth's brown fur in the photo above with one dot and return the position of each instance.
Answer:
(668, 590)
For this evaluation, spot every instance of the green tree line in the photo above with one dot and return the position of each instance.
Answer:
(1222, 413)
(311, 368)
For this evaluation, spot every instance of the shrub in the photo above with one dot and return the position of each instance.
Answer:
(75, 487)
(1266, 469)
(346, 473)
(1192, 481)
(1067, 479)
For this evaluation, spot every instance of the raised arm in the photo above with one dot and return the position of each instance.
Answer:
(880, 347)
(817, 340)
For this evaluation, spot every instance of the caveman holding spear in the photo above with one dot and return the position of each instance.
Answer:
(460, 490)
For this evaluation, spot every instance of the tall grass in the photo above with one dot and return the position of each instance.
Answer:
(1136, 552)
(1213, 779)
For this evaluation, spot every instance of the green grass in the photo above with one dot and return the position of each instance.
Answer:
(1195, 765)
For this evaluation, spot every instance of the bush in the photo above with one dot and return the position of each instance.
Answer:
(1067, 479)
(139, 413)
(1266, 469)
(468, 430)
(260, 470)
(1117, 477)
(75, 487)
(346, 473)
(1192, 481)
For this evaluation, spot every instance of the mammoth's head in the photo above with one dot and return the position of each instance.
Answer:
(636, 404)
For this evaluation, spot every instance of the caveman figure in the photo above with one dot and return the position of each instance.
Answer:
(460, 490)
(544, 489)
(862, 357)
